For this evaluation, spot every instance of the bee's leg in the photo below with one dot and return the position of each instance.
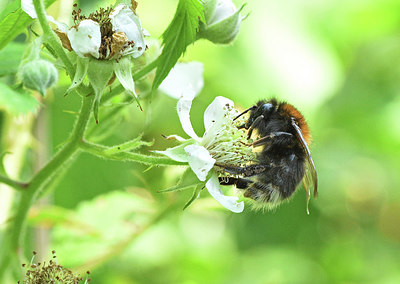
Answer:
(243, 126)
(254, 124)
(239, 182)
(248, 171)
(275, 137)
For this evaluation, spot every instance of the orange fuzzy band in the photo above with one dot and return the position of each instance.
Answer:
(293, 112)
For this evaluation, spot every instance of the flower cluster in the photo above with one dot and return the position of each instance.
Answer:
(105, 41)
(105, 34)
(223, 143)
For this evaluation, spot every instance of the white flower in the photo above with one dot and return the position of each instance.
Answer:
(124, 36)
(105, 42)
(182, 77)
(222, 143)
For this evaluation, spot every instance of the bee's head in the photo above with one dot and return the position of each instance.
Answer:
(264, 108)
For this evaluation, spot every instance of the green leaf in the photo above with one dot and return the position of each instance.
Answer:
(15, 22)
(10, 57)
(188, 180)
(180, 33)
(96, 227)
(16, 101)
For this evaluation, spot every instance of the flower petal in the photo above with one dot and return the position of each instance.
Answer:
(123, 19)
(183, 107)
(215, 112)
(27, 7)
(183, 76)
(177, 153)
(86, 38)
(229, 202)
(199, 160)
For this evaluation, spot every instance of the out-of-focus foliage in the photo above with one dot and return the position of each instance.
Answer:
(13, 20)
(338, 62)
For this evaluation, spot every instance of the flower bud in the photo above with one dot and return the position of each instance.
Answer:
(222, 21)
(39, 75)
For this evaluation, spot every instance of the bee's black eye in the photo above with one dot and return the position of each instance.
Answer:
(267, 107)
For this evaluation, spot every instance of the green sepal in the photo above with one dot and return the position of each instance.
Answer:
(123, 71)
(82, 65)
(196, 194)
(224, 31)
(177, 153)
(209, 9)
(128, 146)
(188, 180)
(99, 73)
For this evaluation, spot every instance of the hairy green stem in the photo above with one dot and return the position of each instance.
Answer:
(13, 235)
(12, 243)
(51, 39)
(101, 151)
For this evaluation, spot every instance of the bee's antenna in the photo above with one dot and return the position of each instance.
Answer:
(246, 111)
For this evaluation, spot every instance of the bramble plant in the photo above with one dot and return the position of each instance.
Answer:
(94, 51)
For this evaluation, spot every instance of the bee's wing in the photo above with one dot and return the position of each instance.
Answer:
(310, 176)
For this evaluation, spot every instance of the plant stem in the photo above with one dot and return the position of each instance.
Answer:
(101, 151)
(142, 72)
(51, 39)
(13, 183)
(14, 233)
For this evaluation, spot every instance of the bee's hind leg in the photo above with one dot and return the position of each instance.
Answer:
(239, 182)
(247, 171)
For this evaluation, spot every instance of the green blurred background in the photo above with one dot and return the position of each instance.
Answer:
(338, 62)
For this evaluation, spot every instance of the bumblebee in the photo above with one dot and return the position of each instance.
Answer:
(283, 159)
